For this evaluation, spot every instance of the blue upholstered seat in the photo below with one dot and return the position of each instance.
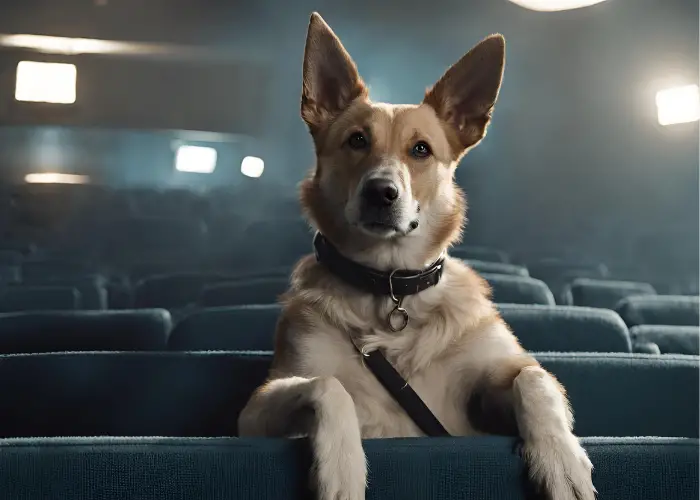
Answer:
(679, 310)
(34, 332)
(604, 293)
(483, 468)
(567, 328)
(518, 289)
(201, 394)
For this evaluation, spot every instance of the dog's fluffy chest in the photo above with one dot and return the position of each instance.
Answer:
(333, 354)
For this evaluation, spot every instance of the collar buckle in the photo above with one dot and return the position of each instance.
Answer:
(398, 312)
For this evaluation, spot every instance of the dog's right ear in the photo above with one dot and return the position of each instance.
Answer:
(331, 81)
(465, 96)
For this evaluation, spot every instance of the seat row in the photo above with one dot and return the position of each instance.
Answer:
(510, 284)
(486, 468)
(201, 394)
(538, 328)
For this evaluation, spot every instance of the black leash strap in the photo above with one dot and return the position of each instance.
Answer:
(404, 394)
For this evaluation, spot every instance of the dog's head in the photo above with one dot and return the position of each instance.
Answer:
(383, 185)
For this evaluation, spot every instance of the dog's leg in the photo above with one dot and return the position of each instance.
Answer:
(519, 397)
(321, 409)
(557, 463)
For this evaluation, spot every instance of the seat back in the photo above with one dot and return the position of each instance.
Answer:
(278, 469)
(38, 298)
(518, 290)
(174, 291)
(237, 328)
(482, 266)
(629, 394)
(679, 310)
(480, 253)
(35, 332)
(669, 339)
(604, 293)
(92, 288)
(566, 328)
(254, 291)
(201, 394)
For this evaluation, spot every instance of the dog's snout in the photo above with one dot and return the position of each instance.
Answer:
(380, 192)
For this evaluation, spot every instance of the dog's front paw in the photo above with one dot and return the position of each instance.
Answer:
(341, 472)
(340, 468)
(559, 468)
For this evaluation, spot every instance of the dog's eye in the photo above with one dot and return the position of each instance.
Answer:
(421, 150)
(358, 141)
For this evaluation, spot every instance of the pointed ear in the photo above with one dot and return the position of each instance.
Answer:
(464, 97)
(331, 81)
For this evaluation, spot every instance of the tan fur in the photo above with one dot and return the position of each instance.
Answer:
(457, 353)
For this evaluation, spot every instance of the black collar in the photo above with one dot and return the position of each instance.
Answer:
(401, 282)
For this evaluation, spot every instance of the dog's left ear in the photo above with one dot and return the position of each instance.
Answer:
(465, 95)
(331, 81)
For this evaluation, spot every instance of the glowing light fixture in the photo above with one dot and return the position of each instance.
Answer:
(554, 5)
(195, 159)
(678, 105)
(56, 178)
(46, 82)
(252, 166)
(61, 45)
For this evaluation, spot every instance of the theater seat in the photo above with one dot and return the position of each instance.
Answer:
(669, 339)
(41, 271)
(567, 328)
(604, 293)
(482, 266)
(254, 291)
(174, 291)
(678, 310)
(518, 290)
(539, 328)
(92, 289)
(39, 298)
(238, 328)
(10, 274)
(201, 394)
(484, 468)
(84, 331)
(636, 394)
(479, 253)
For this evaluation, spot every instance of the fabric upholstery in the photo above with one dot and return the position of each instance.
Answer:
(92, 288)
(34, 332)
(670, 339)
(604, 293)
(238, 328)
(482, 266)
(635, 394)
(678, 310)
(174, 291)
(38, 298)
(518, 289)
(479, 253)
(201, 394)
(10, 274)
(484, 468)
(254, 291)
(567, 328)
(539, 328)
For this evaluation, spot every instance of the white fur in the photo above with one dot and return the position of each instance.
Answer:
(555, 456)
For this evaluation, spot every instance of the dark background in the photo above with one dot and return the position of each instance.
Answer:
(574, 164)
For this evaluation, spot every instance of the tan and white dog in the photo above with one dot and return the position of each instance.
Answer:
(383, 195)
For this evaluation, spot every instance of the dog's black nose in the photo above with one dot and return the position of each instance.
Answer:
(380, 192)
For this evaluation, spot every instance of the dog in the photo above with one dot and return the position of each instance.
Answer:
(384, 201)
